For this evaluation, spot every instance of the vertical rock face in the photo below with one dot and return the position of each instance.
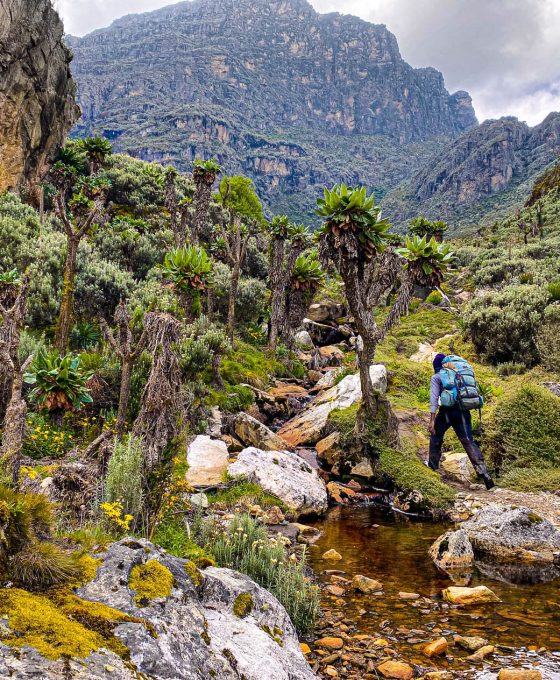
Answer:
(37, 104)
(293, 98)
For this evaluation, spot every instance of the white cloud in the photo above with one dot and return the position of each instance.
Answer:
(504, 52)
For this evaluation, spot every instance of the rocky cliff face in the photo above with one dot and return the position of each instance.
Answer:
(276, 90)
(37, 105)
(485, 171)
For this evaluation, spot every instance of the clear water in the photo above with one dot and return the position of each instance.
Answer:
(395, 553)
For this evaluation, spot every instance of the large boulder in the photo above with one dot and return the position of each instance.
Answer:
(308, 426)
(37, 93)
(513, 534)
(325, 311)
(284, 475)
(194, 632)
(253, 433)
(208, 460)
(453, 554)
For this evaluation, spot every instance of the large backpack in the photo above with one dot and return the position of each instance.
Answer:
(459, 384)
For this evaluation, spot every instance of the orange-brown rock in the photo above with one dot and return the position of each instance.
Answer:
(436, 647)
(395, 669)
(330, 643)
(464, 596)
(519, 674)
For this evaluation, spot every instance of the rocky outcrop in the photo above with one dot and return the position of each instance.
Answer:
(499, 157)
(276, 90)
(284, 475)
(309, 425)
(192, 633)
(510, 534)
(37, 105)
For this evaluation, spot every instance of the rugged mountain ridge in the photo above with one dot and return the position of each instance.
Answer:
(481, 175)
(37, 105)
(274, 89)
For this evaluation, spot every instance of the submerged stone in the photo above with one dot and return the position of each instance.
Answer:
(466, 596)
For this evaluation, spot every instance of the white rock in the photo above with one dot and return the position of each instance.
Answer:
(284, 475)
(199, 500)
(303, 339)
(208, 460)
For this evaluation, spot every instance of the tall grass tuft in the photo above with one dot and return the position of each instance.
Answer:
(124, 481)
(246, 547)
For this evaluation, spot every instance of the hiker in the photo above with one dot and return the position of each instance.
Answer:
(450, 407)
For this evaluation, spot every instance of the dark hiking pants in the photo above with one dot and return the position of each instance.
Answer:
(461, 423)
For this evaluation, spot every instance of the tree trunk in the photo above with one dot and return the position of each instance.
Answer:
(14, 425)
(124, 395)
(366, 354)
(233, 287)
(66, 314)
(202, 196)
(216, 376)
(276, 291)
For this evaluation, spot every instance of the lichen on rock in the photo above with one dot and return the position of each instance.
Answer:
(151, 581)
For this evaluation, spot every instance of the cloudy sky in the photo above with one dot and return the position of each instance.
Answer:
(504, 52)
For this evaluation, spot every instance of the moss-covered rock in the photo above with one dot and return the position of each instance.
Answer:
(243, 605)
(151, 581)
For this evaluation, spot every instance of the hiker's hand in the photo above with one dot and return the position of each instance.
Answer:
(432, 427)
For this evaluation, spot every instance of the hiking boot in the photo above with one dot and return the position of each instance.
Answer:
(488, 481)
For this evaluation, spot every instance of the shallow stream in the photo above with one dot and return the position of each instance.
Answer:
(393, 549)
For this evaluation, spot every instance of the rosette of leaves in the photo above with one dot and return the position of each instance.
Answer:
(307, 274)
(206, 170)
(97, 150)
(352, 221)
(188, 268)
(60, 382)
(10, 281)
(279, 227)
(422, 226)
(427, 260)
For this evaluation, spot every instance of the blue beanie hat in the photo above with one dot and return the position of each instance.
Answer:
(438, 361)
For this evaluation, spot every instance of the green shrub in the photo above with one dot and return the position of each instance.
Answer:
(547, 339)
(531, 479)
(246, 547)
(554, 290)
(510, 368)
(434, 298)
(172, 536)
(124, 481)
(41, 565)
(44, 440)
(528, 428)
(503, 324)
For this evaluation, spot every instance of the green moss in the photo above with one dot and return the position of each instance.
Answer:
(409, 473)
(243, 605)
(37, 623)
(534, 518)
(275, 633)
(151, 581)
(194, 574)
(88, 567)
(531, 479)
(246, 492)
